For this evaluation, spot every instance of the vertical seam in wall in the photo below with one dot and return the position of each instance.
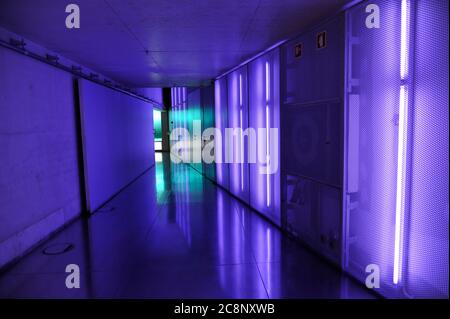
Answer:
(82, 149)
(82, 178)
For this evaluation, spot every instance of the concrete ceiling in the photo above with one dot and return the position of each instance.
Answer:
(145, 43)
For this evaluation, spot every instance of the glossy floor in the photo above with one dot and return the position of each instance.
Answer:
(174, 234)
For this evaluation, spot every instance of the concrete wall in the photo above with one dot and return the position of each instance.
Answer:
(155, 94)
(117, 140)
(39, 183)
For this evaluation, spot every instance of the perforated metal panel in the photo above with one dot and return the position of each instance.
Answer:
(207, 104)
(317, 73)
(313, 213)
(396, 208)
(238, 118)
(312, 137)
(427, 246)
(178, 117)
(193, 116)
(264, 110)
(373, 82)
(221, 121)
(313, 132)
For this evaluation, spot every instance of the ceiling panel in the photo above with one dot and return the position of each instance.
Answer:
(158, 42)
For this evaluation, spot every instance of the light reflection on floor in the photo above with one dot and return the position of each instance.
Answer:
(174, 234)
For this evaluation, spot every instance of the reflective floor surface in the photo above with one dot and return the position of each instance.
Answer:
(174, 234)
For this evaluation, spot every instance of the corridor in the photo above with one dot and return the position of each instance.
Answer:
(173, 234)
(309, 143)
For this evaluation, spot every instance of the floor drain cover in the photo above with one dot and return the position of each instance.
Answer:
(57, 249)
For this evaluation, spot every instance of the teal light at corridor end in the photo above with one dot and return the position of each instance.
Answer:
(157, 124)
(157, 130)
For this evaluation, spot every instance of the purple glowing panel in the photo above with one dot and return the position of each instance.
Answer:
(397, 148)
(238, 119)
(264, 107)
(207, 107)
(193, 117)
(117, 140)
(221, 122)
(375, 122)
(426, 252)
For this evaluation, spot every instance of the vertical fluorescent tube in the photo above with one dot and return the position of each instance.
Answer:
(175, 98)
(404, 40)
(267, 159)
(400, 193)
(175, 107)
(267, 136)
(183, 105)
(402, 143)
(241, 155)
(240, 90)
(267, 83)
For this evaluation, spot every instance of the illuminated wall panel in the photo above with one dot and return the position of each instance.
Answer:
(238, 119)
(396, 189)
(372, 124)
(264, 108)
(426, 245)
(178, 116)
(221, 122)
(194, 119)
(207, 106)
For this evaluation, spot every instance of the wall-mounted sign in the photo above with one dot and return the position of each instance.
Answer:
(298, 50)
(321, 40)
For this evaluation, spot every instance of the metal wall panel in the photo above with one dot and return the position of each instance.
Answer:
(194, 118)
(264, 109)
(178, 119)
(396, 188)
(426, 260)
(373, 95)
(221, 122)
(312, 86)
(313, 133)
(313, 214)
(238, 119)
(207, 104)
